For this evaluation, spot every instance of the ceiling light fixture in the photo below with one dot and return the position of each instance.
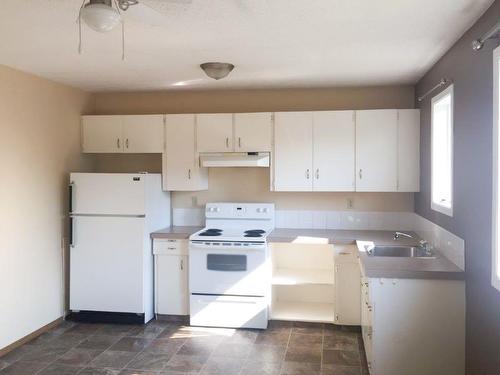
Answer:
(217, 70)
(100, 15)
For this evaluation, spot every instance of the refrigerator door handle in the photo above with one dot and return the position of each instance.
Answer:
(71, 231)
(70, 189)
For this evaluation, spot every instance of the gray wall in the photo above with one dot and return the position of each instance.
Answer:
(472, 73)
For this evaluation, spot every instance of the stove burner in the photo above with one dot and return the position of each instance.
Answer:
(253, 231)
(211, 232)
(253, 235)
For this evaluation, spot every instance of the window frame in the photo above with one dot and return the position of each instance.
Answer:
(434, 205)
(495, 245)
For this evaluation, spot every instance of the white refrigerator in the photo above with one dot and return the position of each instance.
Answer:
(111, 262)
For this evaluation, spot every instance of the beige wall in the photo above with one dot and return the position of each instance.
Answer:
(252, 184)
(39, 145)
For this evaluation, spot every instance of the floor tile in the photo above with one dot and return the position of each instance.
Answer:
(267, 353)
(300, 339)
(337, 342)
(270, 338)
(199, 346)
(17, 353)
(243, 337)
(23, 368)
(137, 372)
(303, 354)
(3, 364)
(297, 368)
(308, 328)
(84, 329)
(165, 346)
(230, 350)
(131, 344)
(98, 371)
(45, 354)
(222, 366)
(112, 359)
(185, 363)
(115, 329)
(279, 326)
(341, 357)
(149, 361)
(67, 340)
(57, 369)
(149, 331)
(78, 357)
(340, 370)
(97, 342)
(261, 368)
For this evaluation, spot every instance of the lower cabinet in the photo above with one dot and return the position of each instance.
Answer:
(171, 277)
(413, 326)
(347, 304)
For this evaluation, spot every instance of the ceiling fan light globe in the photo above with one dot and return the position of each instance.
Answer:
(217, 70)
(100, 17)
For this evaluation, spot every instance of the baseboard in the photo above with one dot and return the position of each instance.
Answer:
(31, 336)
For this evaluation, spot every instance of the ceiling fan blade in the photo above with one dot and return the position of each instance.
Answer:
(145, 14)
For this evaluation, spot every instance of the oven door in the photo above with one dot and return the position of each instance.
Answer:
(229, 270)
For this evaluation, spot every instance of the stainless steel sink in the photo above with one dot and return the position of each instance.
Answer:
(399, 252)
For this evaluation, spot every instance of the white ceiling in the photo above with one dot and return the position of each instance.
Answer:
(273, 43)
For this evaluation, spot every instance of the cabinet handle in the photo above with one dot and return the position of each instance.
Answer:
(317, 174)
(126, 143)
(239, 142)
(170, 248)
(118, 143)
(189, 173)
(360, 174)
(307, 173)
(71, 232)
(182, 264)
(227, 142)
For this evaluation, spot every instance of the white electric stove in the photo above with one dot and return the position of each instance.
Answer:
(230, 273)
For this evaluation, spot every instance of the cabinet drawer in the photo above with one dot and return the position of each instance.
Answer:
(170, 246)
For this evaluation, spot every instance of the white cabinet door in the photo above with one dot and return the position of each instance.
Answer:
(334, 151)
(181, 169)
(376, 150)
(214, 132)
(347, 294)
(253, 132)
(293, 151)
(172, 293)
(409, 150)
(102, 134)
(143, 134)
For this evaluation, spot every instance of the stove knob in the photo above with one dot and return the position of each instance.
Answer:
(265, 210)
(259, 210)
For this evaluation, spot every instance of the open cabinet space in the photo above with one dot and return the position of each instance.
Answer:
(303, 282)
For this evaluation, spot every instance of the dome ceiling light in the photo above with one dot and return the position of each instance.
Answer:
(217, 70)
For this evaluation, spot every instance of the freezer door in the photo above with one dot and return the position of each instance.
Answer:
(107, 193)
(106, 264)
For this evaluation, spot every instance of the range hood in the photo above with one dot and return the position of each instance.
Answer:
(235, 159)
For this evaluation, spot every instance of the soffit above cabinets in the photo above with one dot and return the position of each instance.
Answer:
(274, 44)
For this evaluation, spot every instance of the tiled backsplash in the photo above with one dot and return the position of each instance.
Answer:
(449, 244)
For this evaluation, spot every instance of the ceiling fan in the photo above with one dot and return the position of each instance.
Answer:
(105, 15)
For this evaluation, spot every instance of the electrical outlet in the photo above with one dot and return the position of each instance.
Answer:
(350, 203)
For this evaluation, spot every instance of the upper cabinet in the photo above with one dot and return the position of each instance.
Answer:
(314, 151)
(181, 168)
(293, 152)
(333, 150)
(409, 150)
(253, 132)
(376, 150)
(123, 134)
(214, 132)
(102, 134)
(241, 132)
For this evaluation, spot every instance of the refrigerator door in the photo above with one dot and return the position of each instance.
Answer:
(106, 264)
(107, 194)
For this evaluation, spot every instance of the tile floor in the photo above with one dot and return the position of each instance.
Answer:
(168, 348)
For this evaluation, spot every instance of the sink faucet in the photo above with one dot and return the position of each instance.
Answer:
(397, 235)
(425, 246)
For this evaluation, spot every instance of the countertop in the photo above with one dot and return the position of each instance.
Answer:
(175, 233)
(379, 267)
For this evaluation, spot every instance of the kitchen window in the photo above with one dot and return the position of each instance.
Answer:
(442, 152)
(495, 269)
